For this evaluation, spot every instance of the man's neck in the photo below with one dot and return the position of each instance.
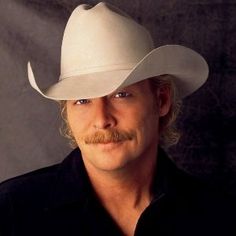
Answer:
(127, 192)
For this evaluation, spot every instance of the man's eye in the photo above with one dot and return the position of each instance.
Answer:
(122, 95)
(82, 101)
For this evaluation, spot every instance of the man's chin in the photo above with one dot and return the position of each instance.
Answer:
(108, 157)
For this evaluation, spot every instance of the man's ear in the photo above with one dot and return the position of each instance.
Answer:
(164, 100)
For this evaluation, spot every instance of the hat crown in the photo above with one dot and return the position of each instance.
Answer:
(102, 38)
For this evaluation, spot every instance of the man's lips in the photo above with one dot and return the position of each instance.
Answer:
(108, 142)
(108, 145)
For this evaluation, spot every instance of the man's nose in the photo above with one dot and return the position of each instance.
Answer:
(103, 117)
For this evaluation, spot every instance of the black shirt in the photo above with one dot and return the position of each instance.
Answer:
(59, 200)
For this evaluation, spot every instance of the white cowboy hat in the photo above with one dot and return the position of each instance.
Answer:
(103, 49)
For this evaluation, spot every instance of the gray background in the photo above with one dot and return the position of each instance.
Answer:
(29, 124)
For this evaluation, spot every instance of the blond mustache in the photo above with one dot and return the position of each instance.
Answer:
(108, 136)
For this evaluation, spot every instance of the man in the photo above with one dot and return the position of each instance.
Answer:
(119, 101)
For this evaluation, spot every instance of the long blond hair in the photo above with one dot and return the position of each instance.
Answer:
(169, 134)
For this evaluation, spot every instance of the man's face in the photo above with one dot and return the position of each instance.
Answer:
(119, 129)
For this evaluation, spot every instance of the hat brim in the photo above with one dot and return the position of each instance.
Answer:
(187, 66)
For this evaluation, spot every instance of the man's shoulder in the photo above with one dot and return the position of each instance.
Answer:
(38, 200)
(31, 189)
(206, 199)
(36, 181)
(197, 190)
(199, 187)
(195, 199)
(33, 179)
(42, 187)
